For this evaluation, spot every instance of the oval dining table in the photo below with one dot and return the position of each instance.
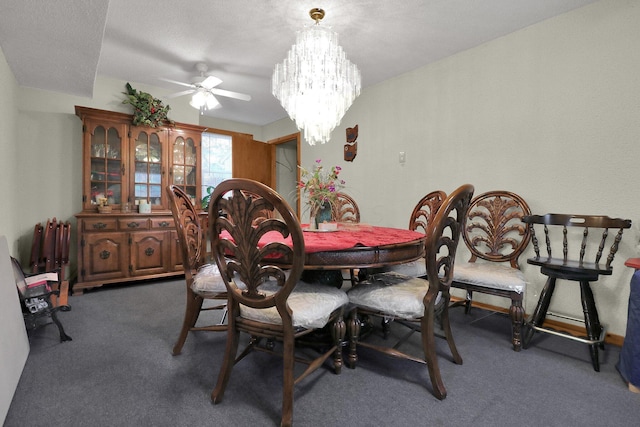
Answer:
(356, 246)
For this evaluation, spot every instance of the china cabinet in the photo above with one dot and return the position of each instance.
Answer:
(129, 167)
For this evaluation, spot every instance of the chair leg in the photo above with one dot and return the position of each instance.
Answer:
(231, 349)
(430, 357)
(338, 332)
(354, 334)
(386, 327)
(516, 313)
(467, 302)
(539, 314)
(446, 328)
(591, 321)
(288, 379)
(192, 311)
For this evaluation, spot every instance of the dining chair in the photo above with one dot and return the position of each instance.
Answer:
(411, 300)
(202, 279)
(266, 299)
(50, 251)
(345, 209)
(582, 240)
(496, 237)
(421, 216)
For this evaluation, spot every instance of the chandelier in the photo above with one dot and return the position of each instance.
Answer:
(316, 83)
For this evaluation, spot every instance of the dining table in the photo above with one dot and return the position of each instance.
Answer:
(353, 246)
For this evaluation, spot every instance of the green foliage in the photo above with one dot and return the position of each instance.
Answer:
(205, 200)
(147, 110)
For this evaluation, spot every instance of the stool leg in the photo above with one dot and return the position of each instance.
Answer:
(537, 319)
(591, 321)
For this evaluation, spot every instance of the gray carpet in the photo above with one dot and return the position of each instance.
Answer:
(119, 371)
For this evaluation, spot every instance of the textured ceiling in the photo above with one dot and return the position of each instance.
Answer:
(62, 45)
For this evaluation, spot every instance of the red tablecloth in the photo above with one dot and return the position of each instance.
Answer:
(349, 236)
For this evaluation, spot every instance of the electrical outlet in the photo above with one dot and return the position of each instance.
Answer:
(402, 157)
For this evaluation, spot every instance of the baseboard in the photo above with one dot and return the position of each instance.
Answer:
(572, 329)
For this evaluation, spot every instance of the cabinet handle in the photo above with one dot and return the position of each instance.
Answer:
(164, 224)
(149, 251)
(133, 225)
(105, 254)
(122, 169)
(99, 225)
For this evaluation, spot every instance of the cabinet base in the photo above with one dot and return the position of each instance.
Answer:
(78, 288)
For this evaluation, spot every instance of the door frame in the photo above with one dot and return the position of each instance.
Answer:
(282, 140)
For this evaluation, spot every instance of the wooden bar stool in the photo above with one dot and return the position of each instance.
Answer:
(574, 269)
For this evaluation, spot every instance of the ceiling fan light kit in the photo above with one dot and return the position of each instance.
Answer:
(204, 90)
(316, 83)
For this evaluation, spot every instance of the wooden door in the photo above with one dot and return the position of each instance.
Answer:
(253, 159)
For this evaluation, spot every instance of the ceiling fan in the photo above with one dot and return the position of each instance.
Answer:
(203, 89)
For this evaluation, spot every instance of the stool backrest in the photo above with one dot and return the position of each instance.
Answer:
(587, 223)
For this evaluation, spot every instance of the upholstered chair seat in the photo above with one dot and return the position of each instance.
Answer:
(311, 305)
(491, 275)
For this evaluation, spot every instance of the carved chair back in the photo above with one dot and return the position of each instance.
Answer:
(425, 210)
(234, 242)
(190, 233)
(345, 209)
(494, 230)
(443, 235)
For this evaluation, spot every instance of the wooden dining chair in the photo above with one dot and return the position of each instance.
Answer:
(345, 209)
(202, 279)
(266, 299)
(411, 300)
(50, 251)
(421, 216)
(496, 237)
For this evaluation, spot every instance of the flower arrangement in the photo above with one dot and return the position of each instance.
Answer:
(147, 110)
(320, 186)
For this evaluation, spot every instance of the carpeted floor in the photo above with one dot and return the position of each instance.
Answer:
(119, 371)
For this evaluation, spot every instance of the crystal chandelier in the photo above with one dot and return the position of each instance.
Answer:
(316, 83)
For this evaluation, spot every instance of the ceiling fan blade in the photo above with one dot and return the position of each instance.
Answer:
(182, 93)
(176, 82)
(230, 94)
(210, 82)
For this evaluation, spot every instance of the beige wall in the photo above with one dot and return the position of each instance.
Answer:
(14, 345)
(550, 112)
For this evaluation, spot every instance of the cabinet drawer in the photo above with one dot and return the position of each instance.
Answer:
(162, 223)
(100, 224)
(133, 224)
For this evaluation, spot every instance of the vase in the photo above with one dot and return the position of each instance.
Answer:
(323, 214)
(312, 221)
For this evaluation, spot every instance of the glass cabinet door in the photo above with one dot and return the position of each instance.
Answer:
(183, 167)
(106, 166)
(148, 175)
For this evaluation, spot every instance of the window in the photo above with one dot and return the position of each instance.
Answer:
(216, 160)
